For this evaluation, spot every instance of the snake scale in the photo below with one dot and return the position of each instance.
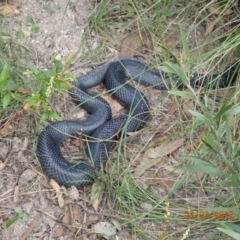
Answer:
(100, 128)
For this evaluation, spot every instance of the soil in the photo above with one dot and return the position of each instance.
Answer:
(61, 34)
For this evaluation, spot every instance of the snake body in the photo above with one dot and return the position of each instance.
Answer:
(99, 126)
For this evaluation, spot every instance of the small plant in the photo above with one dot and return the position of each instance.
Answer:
(34, 29)
(49, 80)
(6, 86)
(20, 215)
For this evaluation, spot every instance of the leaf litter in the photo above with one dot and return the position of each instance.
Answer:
(57, 206)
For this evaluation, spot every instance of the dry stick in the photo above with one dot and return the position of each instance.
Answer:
(29, 230)
(56, 220)
(8, 206)
(101, 214)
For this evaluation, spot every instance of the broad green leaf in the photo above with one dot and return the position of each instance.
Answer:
(228, 132)
(200, 117)
(58, 66)
(233, 111)
(211, 143)
(45, 75)
(55, 116)
(4, 75)
(228, 183)
(24, 217)
(233, 226)
(179, 71)
(205, 169)
(237, 154)
(34, 99)
(35, 71)
(11, 221)
(60, 85)
(222, 111)
(69, 76)
(42, 93)
(184, 94)
(18, 210)
(230, 233)
(11, 86)
(43, 117)
(6, 100)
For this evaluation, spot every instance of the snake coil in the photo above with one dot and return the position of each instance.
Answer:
(100, 125)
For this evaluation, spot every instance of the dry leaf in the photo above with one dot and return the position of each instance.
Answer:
(106, 229)
(78, 214)
(59, 194)
(156, 154)
(8, 8)
(41, 197)
(27, 107)
(2, 165)
(68, 200)
(96, 198)
(209, 27)
(73, 193)
(61, 230)
(26, 33)
(22, 90)
(38, 234)
(131, 43)
(6, 130)
(186, 107)
(167, 184)
(76, 142)
(16, 194)
(66, 218)
(115, 106)
(92, 218)
(171, 41)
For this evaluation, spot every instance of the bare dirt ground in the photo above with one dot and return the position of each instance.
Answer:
(22, 183)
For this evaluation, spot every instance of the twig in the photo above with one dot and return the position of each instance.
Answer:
(56, 220)
(29, 230)
(101, 214)
(8, 206)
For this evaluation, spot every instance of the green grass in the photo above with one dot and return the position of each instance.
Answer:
(11, 77)
(218, 152)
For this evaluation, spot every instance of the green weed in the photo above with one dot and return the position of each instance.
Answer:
(48, 81)
(20, 215)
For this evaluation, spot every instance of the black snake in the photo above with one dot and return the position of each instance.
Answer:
(99, 125)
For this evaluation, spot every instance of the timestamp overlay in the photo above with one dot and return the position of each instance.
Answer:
(204, 215)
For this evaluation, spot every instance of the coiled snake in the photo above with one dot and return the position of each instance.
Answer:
(99, 125)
